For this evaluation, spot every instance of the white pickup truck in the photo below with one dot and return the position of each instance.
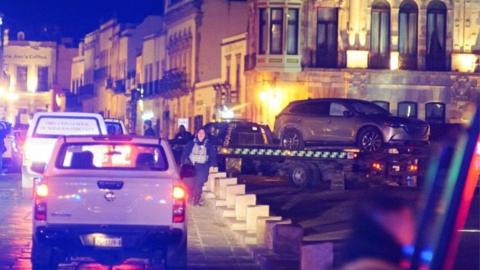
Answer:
(109, 198)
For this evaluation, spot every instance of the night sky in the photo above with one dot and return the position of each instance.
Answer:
(51, 19)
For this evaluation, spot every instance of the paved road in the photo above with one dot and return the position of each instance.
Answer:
(326, 215)
(211, 244)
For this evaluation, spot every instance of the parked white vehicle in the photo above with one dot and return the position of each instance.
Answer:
(109, 198)
(115, 127)
(44, 130)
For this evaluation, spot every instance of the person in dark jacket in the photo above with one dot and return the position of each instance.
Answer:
(383, 233)
(201, 154)
(183, 136)
(148, 129)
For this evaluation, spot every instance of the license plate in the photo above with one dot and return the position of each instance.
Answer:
(105, 241)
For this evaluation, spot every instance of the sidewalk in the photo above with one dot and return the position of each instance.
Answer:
(212, 245)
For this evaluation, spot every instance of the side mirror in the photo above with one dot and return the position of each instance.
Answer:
(348, 114)
(187, 171)
(38, 167)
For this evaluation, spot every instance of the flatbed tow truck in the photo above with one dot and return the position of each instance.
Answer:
(250, 148)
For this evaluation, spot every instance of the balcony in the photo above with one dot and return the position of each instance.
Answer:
(172, 84)
(86, 91)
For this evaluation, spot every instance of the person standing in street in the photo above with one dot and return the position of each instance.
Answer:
(4, 129)
(202, 155)
(148, 129)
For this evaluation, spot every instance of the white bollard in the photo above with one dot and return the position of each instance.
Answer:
(211, 180)
(253, 213)
(220, 186)
(241, 203)
(232, 192)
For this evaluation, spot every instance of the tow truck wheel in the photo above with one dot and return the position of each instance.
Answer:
(292, 139)
(300, 175)
(42, 257)
(370, 140)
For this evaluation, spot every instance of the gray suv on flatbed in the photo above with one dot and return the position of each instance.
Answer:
(346, 121)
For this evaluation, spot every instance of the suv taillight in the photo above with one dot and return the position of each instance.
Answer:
(178, 213)
(41, 193)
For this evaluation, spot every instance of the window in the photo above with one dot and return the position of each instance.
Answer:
(22, 72)
(407, 109)
(368, 108)
(384, 104)
(337, 109)
(292, 31)
(327, 25)
(276, 31)
(262, 31)
(407, 37)
(436, 36)
(435, 112)
(112, 156)
(42, 78)
(243, 135)
(319, 108)
(380, 35)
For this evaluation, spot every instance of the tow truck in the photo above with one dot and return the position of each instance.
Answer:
(249, 148)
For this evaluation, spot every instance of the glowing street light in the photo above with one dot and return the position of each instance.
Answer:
(12, 96)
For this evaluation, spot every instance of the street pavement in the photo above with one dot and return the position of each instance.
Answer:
(211, 244)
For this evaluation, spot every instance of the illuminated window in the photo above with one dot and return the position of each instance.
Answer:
(407, 109)
(435, 112)
(380, 35)
(276, 31)
(436, 35)
(407, 37)
(384, 104)
(22, 72)
(263, 31)
(292, 31)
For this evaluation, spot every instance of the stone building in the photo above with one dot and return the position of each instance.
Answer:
(104, 71)
(182, 87)
(418, 58)
(36, 77)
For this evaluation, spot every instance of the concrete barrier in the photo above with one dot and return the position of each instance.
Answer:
(261, 223)
(316, 256)
(252, 215)
(211, 180)
(269, 226)
(231, 193)
(241, 203)
(287, 239)
(221, 184)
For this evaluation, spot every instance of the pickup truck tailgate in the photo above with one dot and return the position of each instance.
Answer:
(109, 200)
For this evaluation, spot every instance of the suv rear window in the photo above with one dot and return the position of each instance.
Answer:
(244, 135)
(320, 108)
(114, 128)
(109, 156)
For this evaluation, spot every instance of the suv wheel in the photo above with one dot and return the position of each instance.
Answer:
(370, 140)
(42, 257)
(292, 140)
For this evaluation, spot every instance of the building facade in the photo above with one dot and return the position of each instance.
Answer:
(104, 70)
(415, 57)
(35, 79)
(184, 85)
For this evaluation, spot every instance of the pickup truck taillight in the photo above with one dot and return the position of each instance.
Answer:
(178, 215)
(41, 192)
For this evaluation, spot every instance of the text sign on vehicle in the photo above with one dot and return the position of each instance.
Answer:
(70, 126)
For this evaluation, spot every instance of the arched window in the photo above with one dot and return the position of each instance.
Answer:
(380, 35)
(436, 35)
(407, 36)
(407, 109)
